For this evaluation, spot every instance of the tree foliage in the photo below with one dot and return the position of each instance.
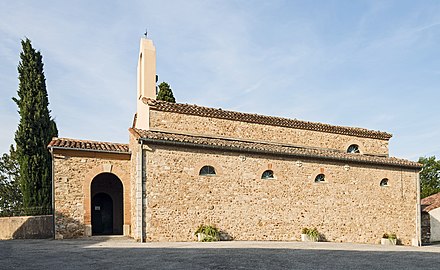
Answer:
(10, 193)
(429, 176)
(165, 93)
(35, 130)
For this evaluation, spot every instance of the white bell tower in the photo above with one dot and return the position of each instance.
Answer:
(146, 81)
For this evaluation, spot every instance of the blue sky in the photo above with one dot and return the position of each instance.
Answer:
(371, 64)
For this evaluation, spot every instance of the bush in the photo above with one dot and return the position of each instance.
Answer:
(312, 233)
(390, 236)
(210, 232)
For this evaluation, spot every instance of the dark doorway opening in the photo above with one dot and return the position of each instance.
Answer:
(107, 205)
(102, 216)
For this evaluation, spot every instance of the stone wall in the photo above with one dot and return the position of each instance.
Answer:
(175, 122)
(426, 228)
(349, 207)
(73, 174)
(28, 227)
(134, 174)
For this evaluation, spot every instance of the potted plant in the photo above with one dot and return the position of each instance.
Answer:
(389, 239)
(207, 233)
(309, 235)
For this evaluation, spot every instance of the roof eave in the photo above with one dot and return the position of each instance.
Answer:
(90, 150)
(276, 153)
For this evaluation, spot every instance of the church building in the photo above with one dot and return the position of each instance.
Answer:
(254, 177)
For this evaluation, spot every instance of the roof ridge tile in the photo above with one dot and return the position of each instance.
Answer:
(69, 143)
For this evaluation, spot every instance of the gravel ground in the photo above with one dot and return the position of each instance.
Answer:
(122, 253)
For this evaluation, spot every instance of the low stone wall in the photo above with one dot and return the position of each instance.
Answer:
(26, 227)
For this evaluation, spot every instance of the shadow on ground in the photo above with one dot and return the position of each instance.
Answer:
(50, 254)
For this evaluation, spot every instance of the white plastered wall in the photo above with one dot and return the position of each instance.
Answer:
(435, 224)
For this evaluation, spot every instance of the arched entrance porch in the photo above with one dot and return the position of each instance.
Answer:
(107, 204)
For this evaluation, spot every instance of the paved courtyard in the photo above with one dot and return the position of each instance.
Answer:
(121, 253)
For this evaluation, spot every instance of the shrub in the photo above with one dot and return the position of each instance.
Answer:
(312, 233)
(211, 233)
(390, 236)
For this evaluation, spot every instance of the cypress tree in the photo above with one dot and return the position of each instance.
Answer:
(165, 93)
(35, 130)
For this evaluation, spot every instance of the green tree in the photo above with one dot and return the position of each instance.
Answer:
(10, 193)
(429, 176)
(35, 130)
(165, 93)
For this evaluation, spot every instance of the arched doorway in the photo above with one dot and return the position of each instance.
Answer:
(107, 204)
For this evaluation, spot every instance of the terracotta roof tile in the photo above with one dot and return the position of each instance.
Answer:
(267, 148)
(431, 202)
(88, 145)
(262, 119)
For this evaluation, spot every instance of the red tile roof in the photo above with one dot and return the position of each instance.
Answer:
(186, 140)
(262, 119)
(67, 143)
(431, 202)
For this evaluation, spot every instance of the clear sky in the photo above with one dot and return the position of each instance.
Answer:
(371, 64)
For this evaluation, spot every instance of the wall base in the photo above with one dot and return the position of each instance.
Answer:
(88, 230)
(126, 229)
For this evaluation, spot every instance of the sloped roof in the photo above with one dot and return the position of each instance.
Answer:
(262, 119)
(186, 140)
(431, 202)
(67, 143)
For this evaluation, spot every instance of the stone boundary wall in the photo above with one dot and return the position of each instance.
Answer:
(27, 227)
(350, 206)
(182, 123)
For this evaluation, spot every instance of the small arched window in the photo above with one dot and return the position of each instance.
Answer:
(320, 178)
(384, 182)
(207, 170)
(353, 149)
(268, 174)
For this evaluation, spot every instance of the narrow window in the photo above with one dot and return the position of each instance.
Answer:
(353, 149)
(268, 174)
(320, 178)
(207, 170)
(384, 182)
